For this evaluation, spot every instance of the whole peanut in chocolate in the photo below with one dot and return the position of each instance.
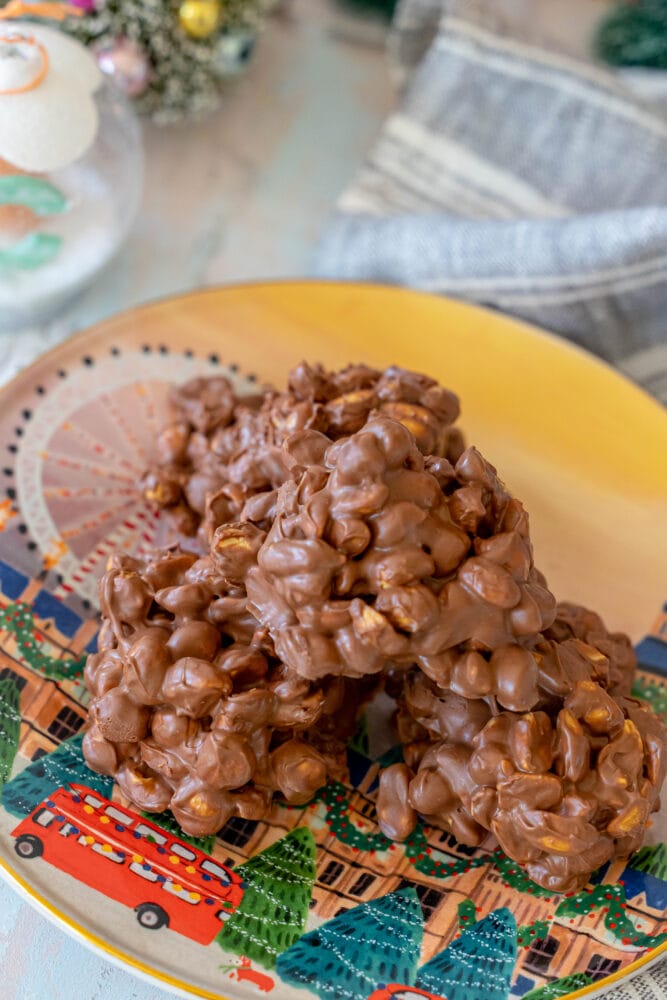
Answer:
(224, 451)
(375, 558)
(190, 709)
(350, 536)
(563, 789)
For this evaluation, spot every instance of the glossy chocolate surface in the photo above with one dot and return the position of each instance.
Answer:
(350, 540)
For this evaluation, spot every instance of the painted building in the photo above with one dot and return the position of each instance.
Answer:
(51, 709)
(652, 651)
(54, 709)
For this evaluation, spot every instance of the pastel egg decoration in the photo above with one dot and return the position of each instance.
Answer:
(71, 168)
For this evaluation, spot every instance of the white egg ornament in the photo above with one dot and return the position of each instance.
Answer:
(71, 169)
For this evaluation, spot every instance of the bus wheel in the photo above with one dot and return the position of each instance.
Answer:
(152, 916)
(28, 846)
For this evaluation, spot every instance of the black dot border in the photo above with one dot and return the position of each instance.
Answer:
(88, 361)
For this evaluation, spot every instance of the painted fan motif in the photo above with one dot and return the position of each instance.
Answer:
(82, 458)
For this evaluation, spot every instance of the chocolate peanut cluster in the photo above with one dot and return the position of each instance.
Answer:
(381, 556)
(190, 710)
(382, 560)
(350, 540)
(223, 451)
(563, 790)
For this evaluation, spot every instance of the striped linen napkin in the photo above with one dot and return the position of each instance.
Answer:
(520, 178)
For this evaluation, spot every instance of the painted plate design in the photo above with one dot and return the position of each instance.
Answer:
(314, 901)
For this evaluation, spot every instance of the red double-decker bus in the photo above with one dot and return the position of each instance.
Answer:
(166, 881)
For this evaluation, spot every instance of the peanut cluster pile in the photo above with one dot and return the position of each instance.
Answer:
(350, 540)
(380, 556)
(190, 710)
(222, 457)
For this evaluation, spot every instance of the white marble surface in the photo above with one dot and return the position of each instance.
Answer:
(239, 197)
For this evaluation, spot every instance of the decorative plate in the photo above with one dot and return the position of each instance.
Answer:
(315, 898)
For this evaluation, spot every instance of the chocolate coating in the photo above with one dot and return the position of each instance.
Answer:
(349, 537)
(564, 789)
(373, 559)
(190, 709)
(393, 802)
(223, 453)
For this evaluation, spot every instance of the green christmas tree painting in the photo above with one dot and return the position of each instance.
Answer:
(476, 966)
(279, 886)
(635, 34)
(57, 770)
(10, 727)
(350, 956)
(560, 987)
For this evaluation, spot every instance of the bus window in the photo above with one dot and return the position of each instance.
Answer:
(187, 897)
(148, 874)
(150, 834)
(44, 817)
(109, 854)
(117, 815)
(183, 852)
(90, 800)
(406, 994)
(213, 869)
(66, 829)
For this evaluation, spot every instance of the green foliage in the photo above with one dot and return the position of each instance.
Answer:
(185, 71)
(168, 823)
(272, 914)
(515, 877)
(58, 769)
(652, 692)
(634, 34)
(336, 799)
(476, 966)
(560, 987)
(611, 900)
(581, 903)
(10, 727)
(528, 933)
(18, 619)
(347, 957)
(652, 860)
(467, 914)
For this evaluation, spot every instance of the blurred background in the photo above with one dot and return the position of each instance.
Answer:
(243, 192)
